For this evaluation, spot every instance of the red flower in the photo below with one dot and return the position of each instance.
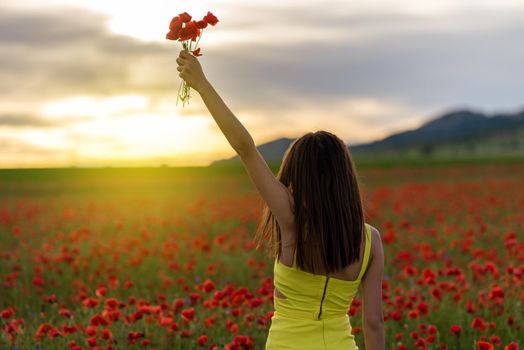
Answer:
(65, 312)
(478, 323)
(201, 24)
(191, 31)
(484, 345)
(98, 320)
(171, 36)
(178, 303)
(165, 321)
(511, 346)
(423, 308)
(496, 293)
(495, 339)
(101, 291)
(185, 17)
(7, 313)
(53, 333)
(202, 340)
(90, 331)
(175, 22)
(134, 336)
(210, 18)
(69, 329)
(208, 284)
(175, 33)
(90, 302)
(106, 334)
(111, 303)
(174, 28)
(188, 313)
(455, 329)
(42, 330)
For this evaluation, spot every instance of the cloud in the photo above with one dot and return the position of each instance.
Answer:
(47, 29)
(361, 68)
(72, 53)
(17, 121)
(20, 121)
(9, 145)
(464, 57)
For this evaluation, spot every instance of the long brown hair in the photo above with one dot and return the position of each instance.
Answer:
(318, 170)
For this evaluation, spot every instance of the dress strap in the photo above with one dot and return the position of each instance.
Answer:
(367, 249)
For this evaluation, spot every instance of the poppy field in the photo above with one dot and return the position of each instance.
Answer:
(164, 258)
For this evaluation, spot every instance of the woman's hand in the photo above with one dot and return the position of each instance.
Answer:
(191, 70)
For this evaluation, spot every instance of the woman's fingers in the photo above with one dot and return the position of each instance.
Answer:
(184, 54)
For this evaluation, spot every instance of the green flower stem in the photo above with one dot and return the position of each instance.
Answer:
(178, 93)
(201, 32)
(186, 90)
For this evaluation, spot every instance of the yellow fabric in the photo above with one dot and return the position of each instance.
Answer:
(296, 325)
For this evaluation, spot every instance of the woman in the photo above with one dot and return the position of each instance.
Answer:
(314, 223)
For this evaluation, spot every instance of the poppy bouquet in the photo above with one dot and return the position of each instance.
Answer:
(188, 32)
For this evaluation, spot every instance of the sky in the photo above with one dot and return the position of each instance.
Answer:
(94, 82)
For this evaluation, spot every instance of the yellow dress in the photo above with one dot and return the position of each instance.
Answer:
(314, 313)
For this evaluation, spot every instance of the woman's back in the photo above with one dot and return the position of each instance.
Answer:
(311, 310)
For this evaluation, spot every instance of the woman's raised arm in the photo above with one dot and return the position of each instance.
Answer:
(276, 195)
(235, 133)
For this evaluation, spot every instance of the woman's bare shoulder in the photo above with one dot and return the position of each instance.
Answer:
(376, 240)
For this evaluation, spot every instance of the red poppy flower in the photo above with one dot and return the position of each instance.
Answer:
(202, 340)
(69, 329)
(455, 329)
(189, 313)
(106, 334)
(90, 302)
(484, 345)
(191, 31)
(174, 32)
(53, 333)
(174, 22)
(111, 303)
(185, 30)
(42, 330)
(210, 18)
(91, 342)
(197, 53)
(134, 336)
(65, 312)
(7, 313)
(201, 24)
(172, 35)
(185, 17)
(478, 323)
(511, 346)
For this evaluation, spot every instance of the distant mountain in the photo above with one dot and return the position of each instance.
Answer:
(459, 132)
(456, 127)
(272, 151)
